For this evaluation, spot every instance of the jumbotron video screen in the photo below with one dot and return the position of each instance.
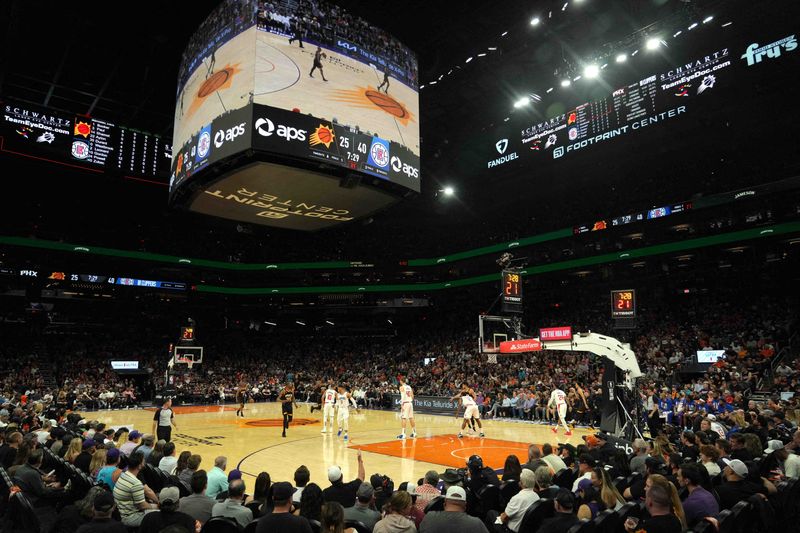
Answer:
(261, 76)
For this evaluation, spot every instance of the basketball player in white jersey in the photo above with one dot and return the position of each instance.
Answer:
(407, 408)
(559, 400)
(343, 401)
(328, 407)
(470, 409)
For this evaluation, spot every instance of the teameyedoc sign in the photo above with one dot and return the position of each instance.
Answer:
(527, 345)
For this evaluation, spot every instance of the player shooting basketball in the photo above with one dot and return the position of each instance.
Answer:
(318, 55)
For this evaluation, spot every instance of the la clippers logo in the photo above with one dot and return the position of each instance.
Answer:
(80, 150)
(380, 154)
(203, 144)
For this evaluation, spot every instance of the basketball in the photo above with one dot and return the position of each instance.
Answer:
(387, 103)
(325, 135)
(213, 83)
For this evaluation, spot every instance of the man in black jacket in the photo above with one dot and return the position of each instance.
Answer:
(564, 518)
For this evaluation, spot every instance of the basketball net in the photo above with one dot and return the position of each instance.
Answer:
(491, 358)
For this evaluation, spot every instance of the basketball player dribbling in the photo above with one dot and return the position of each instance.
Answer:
(328, 408)
(470, 410)
(241, 399)
(406, 408)
(343, 401)
(286, 397)
(318, 55)
(559, 400)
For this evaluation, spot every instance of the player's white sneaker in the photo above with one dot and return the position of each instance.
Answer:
(460, 436)
(481, 434)
(414, 435)
(401, 436)
(324, 430)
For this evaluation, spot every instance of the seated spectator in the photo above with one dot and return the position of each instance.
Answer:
(609, 495)
(131, 495)
(591, 504)
(543, 478)
(192, 465)
(280, 519)
(146, 447)
(736, 486)
(511, 517)
(70, 454)
(134, 438)
(232, 507)
(427, 491)
(197, 504)
(699, 503)
(158, 452)
(102, 522)
(311, 502)
(661, 520)
(183, 463)
(333, 519)
(640, 449)
(301, 478)
(109, 474)
(84, 459)
(217, 480)
(534, 458)
(709, 455)
(586, 464)
(363, 511)
(31, 481)
(414, 514)
(169, 462)
(564, 518)
(396, 518)
(98, 462)
(779, 464)
(344, 493)
(260, 502)
(553, 461)
(738, 448)
(511, 470)
(168, 513)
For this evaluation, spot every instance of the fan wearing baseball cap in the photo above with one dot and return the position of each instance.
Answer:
(454, 518)
(736, 486)
(168, 513)
(344, 493)
(281, 519)
(779, 464)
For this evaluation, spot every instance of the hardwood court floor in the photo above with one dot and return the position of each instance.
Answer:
(254, 442)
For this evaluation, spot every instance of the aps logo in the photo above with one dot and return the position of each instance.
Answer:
(266, 128)
(228, 135)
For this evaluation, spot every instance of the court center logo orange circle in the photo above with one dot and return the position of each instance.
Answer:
(278, 422)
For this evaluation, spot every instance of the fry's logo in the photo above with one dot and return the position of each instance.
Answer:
(755, 53)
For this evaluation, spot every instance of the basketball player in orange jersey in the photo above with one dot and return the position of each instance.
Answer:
(318, 55)
(406, 408)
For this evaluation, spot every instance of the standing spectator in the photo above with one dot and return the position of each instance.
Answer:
(454, 518)
(363, 510)
(131, 495)
(280, 519)
(197, 504)
(168, 513)
(164, 421)
(232, 507)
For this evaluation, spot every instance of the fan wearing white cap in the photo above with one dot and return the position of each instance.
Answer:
(339, 491)
(779, 463)
(736, 486)
(454, 517)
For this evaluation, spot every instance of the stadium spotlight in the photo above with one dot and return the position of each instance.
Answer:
(692, 26)
(549, 90)
(726, 24)
(708, 19)
(535, 21)
(522, 102)
(591, 71)
(300, 323)
(329, 323)
(653, 43)
(448, 191)
(621, 58)
(677, 33)
(565, 83)
(468, 59)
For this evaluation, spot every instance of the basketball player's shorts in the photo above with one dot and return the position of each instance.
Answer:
(407, 410)
(562, 411)
(343, 414)
(287, 409)
(327, 410)
(471, 411)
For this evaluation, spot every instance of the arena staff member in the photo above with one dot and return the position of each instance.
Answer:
(164, 421)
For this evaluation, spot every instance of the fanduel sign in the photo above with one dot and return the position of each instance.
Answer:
(501, 146)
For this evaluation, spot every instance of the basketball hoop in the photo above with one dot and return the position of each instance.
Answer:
(491, 358)
(189, 363)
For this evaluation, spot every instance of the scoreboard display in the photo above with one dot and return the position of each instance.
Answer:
(623, 303)
(85, 142)
(512, 292)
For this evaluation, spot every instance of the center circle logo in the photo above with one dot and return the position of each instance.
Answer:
(380, 154)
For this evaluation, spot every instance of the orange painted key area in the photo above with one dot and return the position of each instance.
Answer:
(449, 450)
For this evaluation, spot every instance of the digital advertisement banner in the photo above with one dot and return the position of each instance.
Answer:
(429, 404)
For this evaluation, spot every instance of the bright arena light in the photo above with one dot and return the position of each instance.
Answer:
(449, 191)
(535, 21)
(708, 19)
(522, 102)
(565, 83)
(591, 71)
(653, 43)
(621, 58)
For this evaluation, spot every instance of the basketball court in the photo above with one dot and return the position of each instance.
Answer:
(254, 442)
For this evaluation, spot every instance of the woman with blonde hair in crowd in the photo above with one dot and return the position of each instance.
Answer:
(333, 519)
(122, 438)
(74, 450)
(602, 481)
(677, 506)
(98, 462)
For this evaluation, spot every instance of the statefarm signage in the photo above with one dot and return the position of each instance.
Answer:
(526, 345)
